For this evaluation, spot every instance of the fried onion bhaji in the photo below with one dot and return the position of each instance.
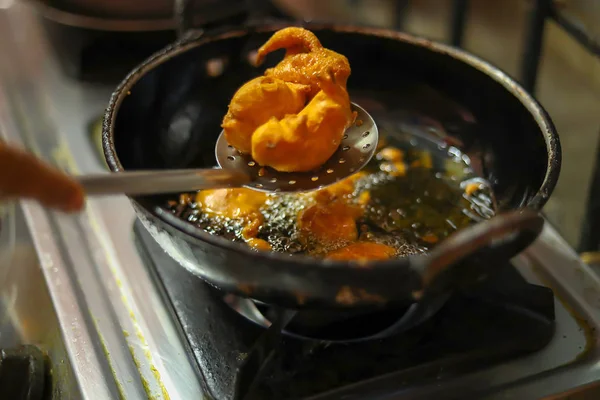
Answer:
(303, 142)
(305, 58)
(269, 117)
(255, 103)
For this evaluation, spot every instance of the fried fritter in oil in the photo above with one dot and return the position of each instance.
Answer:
(236, 204)
(329, 224)
(364, 251)
(331, 220)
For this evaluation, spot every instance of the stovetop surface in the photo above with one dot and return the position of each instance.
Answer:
(504, 317)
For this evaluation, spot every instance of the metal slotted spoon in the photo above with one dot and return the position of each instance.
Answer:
(237, 170)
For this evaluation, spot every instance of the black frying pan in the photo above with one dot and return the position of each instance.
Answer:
(167, 114)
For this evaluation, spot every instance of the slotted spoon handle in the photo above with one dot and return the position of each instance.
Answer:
(137, 183)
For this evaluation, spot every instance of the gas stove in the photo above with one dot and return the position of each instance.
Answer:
(321, 356)
(135, 325)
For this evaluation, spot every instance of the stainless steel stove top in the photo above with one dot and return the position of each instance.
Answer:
(118, 335)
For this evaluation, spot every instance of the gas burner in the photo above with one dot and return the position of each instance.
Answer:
(331, 326)
(247, 309)
(246, 350)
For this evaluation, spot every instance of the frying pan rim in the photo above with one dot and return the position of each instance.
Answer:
(534, 108)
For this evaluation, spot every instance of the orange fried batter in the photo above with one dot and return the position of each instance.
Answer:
(332, 217)
(339, 190)
(255, 103)
(266, 117)
(329, 224)
(239, 204)
(258, 244)
(231, 203)
(304, 59)
(391, 154)
(362, 251)
(304, 142)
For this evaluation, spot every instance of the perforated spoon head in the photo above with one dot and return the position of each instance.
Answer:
(356, 150)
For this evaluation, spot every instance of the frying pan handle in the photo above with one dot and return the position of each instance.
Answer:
(493, 241)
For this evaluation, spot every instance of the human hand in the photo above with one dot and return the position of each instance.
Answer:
(23, 175)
